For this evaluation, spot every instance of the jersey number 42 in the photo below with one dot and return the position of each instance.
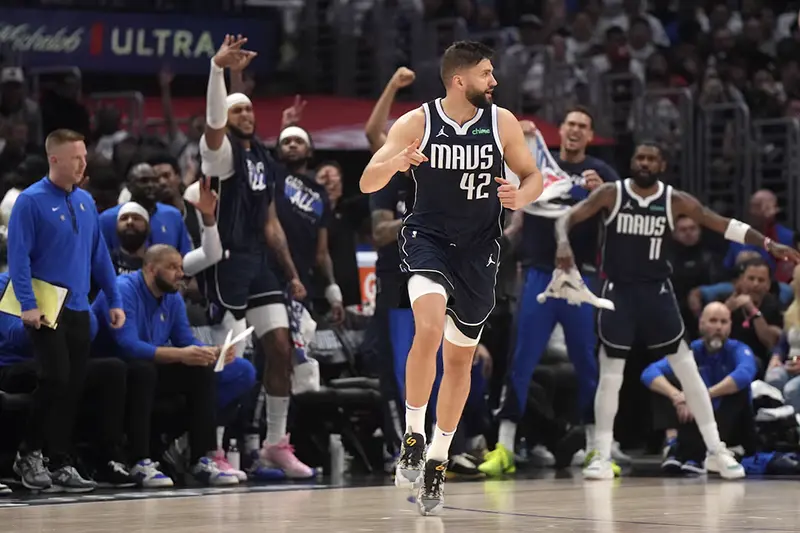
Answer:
(476, 192)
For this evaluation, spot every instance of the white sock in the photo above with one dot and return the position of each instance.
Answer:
(220, 436)
(277, 413)
(415, 419)
(439, 449)
(696, 394)
(590, 438)
(606, 402)
(507, 435)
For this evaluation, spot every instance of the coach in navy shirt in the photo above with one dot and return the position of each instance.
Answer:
(166, 222)
(54, 236)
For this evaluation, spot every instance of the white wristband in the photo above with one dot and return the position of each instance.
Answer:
(736, 231)
(216, 110)
(333, 294)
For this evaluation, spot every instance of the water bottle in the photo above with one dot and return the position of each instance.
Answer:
(336, 450)
(234, 457)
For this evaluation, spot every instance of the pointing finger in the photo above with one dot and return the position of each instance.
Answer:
(501, 181)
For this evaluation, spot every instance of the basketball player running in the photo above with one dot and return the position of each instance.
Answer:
(243, 284)
(448, 243)
(639, 215)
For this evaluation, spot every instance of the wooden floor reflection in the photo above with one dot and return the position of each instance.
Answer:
(554, 505)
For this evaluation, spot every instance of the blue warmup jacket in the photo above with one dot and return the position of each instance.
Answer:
(735, 359)
(54, 236)
(15, 344)
(166, 227)
(150, 322)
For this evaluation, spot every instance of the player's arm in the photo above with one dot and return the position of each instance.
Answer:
(230, 55)
(333, 293)
(604, 197)
(376, 124)
(384, 227)
(519, 159)
(276, 239)
(400, 151)
(732, 229)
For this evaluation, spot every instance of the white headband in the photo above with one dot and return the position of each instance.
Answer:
(236, 99)
(132, 208)
(295, 131)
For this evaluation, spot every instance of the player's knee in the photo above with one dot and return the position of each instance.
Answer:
(456, 337)
(612, 369)
(268, 318)
(428, 329)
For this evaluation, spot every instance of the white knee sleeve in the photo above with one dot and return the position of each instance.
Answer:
(606, 401)
(455, 336)
(420, 286)
(267, 318)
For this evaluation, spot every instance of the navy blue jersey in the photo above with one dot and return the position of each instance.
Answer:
(395, 197)
(244, 180)
(303, 208)
(638, 231)
(456, 194)
(538, 245)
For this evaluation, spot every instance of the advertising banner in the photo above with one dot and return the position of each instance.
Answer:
(134, 43)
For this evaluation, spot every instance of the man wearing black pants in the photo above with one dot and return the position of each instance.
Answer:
(158, 337)
(54, 236)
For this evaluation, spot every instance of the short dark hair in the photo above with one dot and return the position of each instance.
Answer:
(583, 110)
(639, 21)
(164, 158)
(757, 262)
(651, 143)
(61, 136)
(462, 54)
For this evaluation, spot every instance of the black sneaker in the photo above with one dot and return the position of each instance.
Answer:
(114, 475)
(67, 479)
(430, 498)
(464, 466)
(412, 460)
(32, 472)
(573, 441)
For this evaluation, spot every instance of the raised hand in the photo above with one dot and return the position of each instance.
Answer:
(207, 203)
(410, 156)
(294, 114)
(231, 55)
(403, 77)
(785, 253)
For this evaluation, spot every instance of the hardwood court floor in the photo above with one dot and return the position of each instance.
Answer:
(554, 505)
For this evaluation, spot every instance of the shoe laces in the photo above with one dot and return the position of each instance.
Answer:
(150, 468)
(118, 467)
(435, 480)
(36, 461)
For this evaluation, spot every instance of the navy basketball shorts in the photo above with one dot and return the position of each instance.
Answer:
(468, 274)
(242, 281)
(645, 311)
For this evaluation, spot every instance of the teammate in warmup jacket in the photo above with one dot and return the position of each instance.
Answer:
(457, 147)
(158, 332)
(54, 236)
(639, 214)
(243, 284)
(536, 321)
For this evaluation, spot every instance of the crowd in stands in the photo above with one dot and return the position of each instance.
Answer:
(147, 424)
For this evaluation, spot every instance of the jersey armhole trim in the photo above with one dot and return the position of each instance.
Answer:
(427, 134)
(617, 204)
(496, 130)
(670, 220)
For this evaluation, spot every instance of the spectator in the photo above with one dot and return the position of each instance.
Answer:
(756, 314)
(184, 146)
(54, 236)
(166, 222)
(62, 108)
(763, 213)
(13, 145)
(634, 9)
(158, 334)
(615, 58)
(346, 220)
(102, 403)
(16, 106)
(727, 368)
(580, 41)
(109, 131)
(640, 40)
(784, 366)
(693, 265)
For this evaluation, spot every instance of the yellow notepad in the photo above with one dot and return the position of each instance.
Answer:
(50, 300)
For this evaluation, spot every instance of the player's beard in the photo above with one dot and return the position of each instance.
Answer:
(645, 180)
(132, 241)
(479, 99)
(239, 134)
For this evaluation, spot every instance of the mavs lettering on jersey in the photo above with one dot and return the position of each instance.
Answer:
(456, 194)
(636, 234)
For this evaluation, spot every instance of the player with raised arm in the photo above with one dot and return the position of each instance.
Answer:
(639, 215)
(243, 284)
(456, 148)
